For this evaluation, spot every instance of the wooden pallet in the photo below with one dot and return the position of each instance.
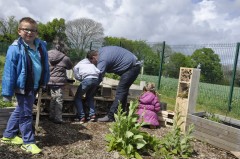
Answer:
(166, 118)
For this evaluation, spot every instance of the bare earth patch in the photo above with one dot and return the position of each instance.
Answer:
(75, 141)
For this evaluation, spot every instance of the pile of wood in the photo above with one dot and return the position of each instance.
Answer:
(166, 118)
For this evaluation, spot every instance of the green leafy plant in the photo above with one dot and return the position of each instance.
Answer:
(126, 137)
(175, 144)
(5, 104)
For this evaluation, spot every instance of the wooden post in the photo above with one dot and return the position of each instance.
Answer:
(142, 84)
(38, 109)
(187, 93)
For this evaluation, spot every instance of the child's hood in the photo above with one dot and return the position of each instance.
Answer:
(55, 56)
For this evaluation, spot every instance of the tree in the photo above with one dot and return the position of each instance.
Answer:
(8, 29)
(81, 32)
(172, 67)
(210, 65)
(51, 30)
(158, 47)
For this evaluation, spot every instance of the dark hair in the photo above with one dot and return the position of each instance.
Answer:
(27, 19)
(91, 53)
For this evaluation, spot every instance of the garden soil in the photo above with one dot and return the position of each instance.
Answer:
(75, 141)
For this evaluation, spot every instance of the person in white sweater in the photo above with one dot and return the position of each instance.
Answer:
(88, 74)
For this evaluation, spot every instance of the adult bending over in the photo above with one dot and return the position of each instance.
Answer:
(117, 60)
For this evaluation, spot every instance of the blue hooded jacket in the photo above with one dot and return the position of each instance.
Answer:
(15, 70)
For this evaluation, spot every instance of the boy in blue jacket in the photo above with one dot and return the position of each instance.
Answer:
(26, 69)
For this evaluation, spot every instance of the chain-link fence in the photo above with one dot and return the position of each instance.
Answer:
(214, 96)
(223, 97)
(219, 92)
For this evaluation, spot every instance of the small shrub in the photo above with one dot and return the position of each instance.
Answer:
(126, 137)
(174, 144)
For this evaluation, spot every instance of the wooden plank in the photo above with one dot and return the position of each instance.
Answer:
(7, 114)
(228, 130)
(38, 109)
(195, 119)
(182, 104)
(217, 134)
(4, 119)
(63, 114)
(228, 119)
(167, 113)
(236, 153)
(7, 109)
(104, 99)
(216, 142)
(225, 135)
(2, 127)
(135, 92)
(69, 98)
(169, 120)
(199, 114)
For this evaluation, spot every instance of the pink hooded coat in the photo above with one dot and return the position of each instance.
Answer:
(148, 107)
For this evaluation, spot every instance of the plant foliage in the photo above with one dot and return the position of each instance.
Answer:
(4, 104)
(126, 137)
(174, 144)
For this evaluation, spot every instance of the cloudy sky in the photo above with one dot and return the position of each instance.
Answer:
(173, 21)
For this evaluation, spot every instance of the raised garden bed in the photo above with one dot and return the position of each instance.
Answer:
(225, 135)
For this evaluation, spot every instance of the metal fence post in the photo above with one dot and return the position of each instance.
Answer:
(233, 77)
(91, 45)
(161, 63)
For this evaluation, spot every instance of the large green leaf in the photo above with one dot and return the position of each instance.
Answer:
(129, 134)
(138, 137)
(141, 144)
(129, 149)
(137, 155)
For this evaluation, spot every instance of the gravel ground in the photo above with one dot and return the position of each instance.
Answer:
(86, 141)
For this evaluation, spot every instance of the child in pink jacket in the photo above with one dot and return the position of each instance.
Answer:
(149, 106)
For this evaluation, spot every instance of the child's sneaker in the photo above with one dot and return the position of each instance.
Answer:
(93, 118)
(15, 140)
(31, 148)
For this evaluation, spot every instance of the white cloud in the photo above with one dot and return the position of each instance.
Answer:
(205, 12)
(173, 21)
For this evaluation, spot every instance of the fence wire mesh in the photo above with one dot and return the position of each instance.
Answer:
(211, 96)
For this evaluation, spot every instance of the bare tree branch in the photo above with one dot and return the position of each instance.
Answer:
(81, 32)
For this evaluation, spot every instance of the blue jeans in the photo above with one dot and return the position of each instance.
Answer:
(126, 80)
(21, 118)
(88, 86)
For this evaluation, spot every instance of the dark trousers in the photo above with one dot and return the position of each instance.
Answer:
(126, 80)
